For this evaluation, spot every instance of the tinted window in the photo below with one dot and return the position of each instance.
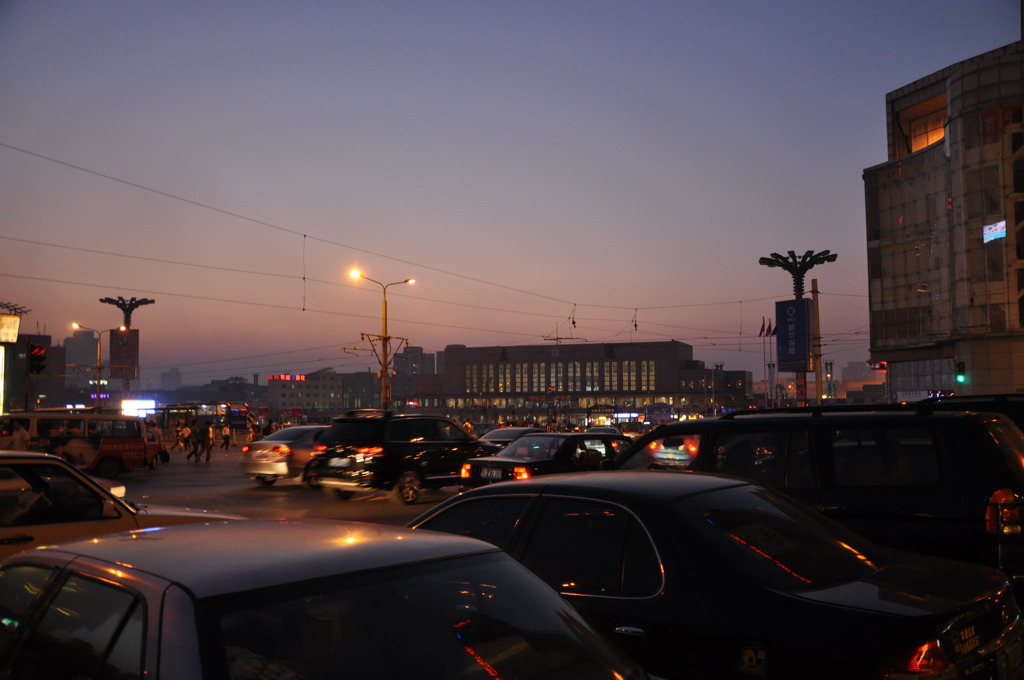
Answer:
(19, 587)
(591, 548)
(770, 457)
(473, 618)
(673, 451)
(894, 456)
(775, 542)
(90, 625)
(288, 434)
(533, 447)
(358, 432)
(45, 494)
(491, 519)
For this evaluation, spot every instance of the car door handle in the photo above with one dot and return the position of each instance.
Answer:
(12, 540)
(631, 631)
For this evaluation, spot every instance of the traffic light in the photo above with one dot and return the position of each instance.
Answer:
(961, 372)
(36, 358)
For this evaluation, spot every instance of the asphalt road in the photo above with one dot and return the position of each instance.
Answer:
(219, 485)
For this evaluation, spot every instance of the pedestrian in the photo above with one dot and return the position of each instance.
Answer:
(19, 437)
(183, 434)
(195, 440)
(207, 443)
(225, 433)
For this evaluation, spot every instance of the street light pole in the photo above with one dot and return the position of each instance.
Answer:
(99, 357)
(385, 339)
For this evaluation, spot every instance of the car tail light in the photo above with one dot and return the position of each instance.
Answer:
(466, 471)
(282, 450)
(1002, 514)
(520, 473)
(245, 449)
(319, 448)
(371, 450)
(927, 662)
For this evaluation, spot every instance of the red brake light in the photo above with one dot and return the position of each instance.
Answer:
(319, 448)
(466, 471)
(927, 662)
(282, 450)
(371, 450)
(1002, 514)
(520, 473)
(245, 449)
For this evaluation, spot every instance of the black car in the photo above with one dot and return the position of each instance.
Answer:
(374, 449)
(544, 453)
(944, 483)
(709, 576)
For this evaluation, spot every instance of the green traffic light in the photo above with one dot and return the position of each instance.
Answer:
(961, 378)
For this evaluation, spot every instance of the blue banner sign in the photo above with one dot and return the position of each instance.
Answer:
(793, 335)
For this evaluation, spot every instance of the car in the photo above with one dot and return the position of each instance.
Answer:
(284, 454)
(542, 453)
(373, 449)
(503, 436)
(944, 483)
(45, 499)
(330, 600)
(707, 576)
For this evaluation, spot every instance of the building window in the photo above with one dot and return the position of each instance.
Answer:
(539, 375)
(558, 377)
(575, 384)
(611, 376)
(522, 378)
(592, 381)
(488, 379)
(629, 376)
(504, 378)
(646, 376)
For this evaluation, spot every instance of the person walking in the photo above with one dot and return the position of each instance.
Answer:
(225, 433)
(195, 439)
(207, 443)
(19, 437)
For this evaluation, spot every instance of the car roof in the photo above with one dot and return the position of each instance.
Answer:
(649, 484)
(9, 454)
(227, 557)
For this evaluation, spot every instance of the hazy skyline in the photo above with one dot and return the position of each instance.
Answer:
(547, 172)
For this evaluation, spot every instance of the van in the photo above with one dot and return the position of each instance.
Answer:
(105, 444)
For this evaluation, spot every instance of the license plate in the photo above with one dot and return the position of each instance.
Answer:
(339, 462)
(491, 473)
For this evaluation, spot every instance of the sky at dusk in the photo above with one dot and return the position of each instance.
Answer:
(547, 171)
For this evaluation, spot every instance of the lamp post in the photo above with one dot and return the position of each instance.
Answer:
(385, 339)
(99, 356)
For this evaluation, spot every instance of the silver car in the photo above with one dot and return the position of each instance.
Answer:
(284, 454)
(315, 600)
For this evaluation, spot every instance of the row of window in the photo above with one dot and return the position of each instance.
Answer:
(567, 376)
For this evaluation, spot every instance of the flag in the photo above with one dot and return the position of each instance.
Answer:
(769, 332)
(761, 334)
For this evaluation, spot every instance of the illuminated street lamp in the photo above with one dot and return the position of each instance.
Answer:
(99, 356)
(385, 339)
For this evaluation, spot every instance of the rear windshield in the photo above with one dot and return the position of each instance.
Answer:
(357, 431)
(288, 434)
(533, 448)
(1010, 440)
(776, 542)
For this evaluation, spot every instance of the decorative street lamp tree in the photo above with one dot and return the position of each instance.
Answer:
(798, 267)
(99, 357)
(385, 339)
(127, 306)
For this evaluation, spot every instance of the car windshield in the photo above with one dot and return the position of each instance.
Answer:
(776, 542)
(480, 617)
(532, 448)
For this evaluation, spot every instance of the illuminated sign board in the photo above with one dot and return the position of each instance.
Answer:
(10, 324)
(990, 232)
(286, 376)
(793, 335)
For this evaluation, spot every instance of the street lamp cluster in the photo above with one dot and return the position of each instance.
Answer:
(385, 339)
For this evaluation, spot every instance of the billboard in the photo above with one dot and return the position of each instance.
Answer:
(10, 324)
(124, 354)
(793, 335)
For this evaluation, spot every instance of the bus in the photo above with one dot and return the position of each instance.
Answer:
(236, 414)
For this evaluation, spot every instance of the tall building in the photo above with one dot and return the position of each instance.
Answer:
(945, 231)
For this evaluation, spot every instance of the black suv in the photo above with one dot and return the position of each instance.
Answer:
(944, 483)
(403, 453)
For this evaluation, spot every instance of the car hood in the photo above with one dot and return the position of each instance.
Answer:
(914, 585)
(166, 515)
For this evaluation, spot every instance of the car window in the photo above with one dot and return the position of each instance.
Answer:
(90, 625)
(885, 456)
(41, 493)
(774, 458)
(489, 519)
(19, 586)
(533, 448)
(449, 432)
(585, 547)
(475, 618)
(672, 451)
(358, 432)
(413, 430)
